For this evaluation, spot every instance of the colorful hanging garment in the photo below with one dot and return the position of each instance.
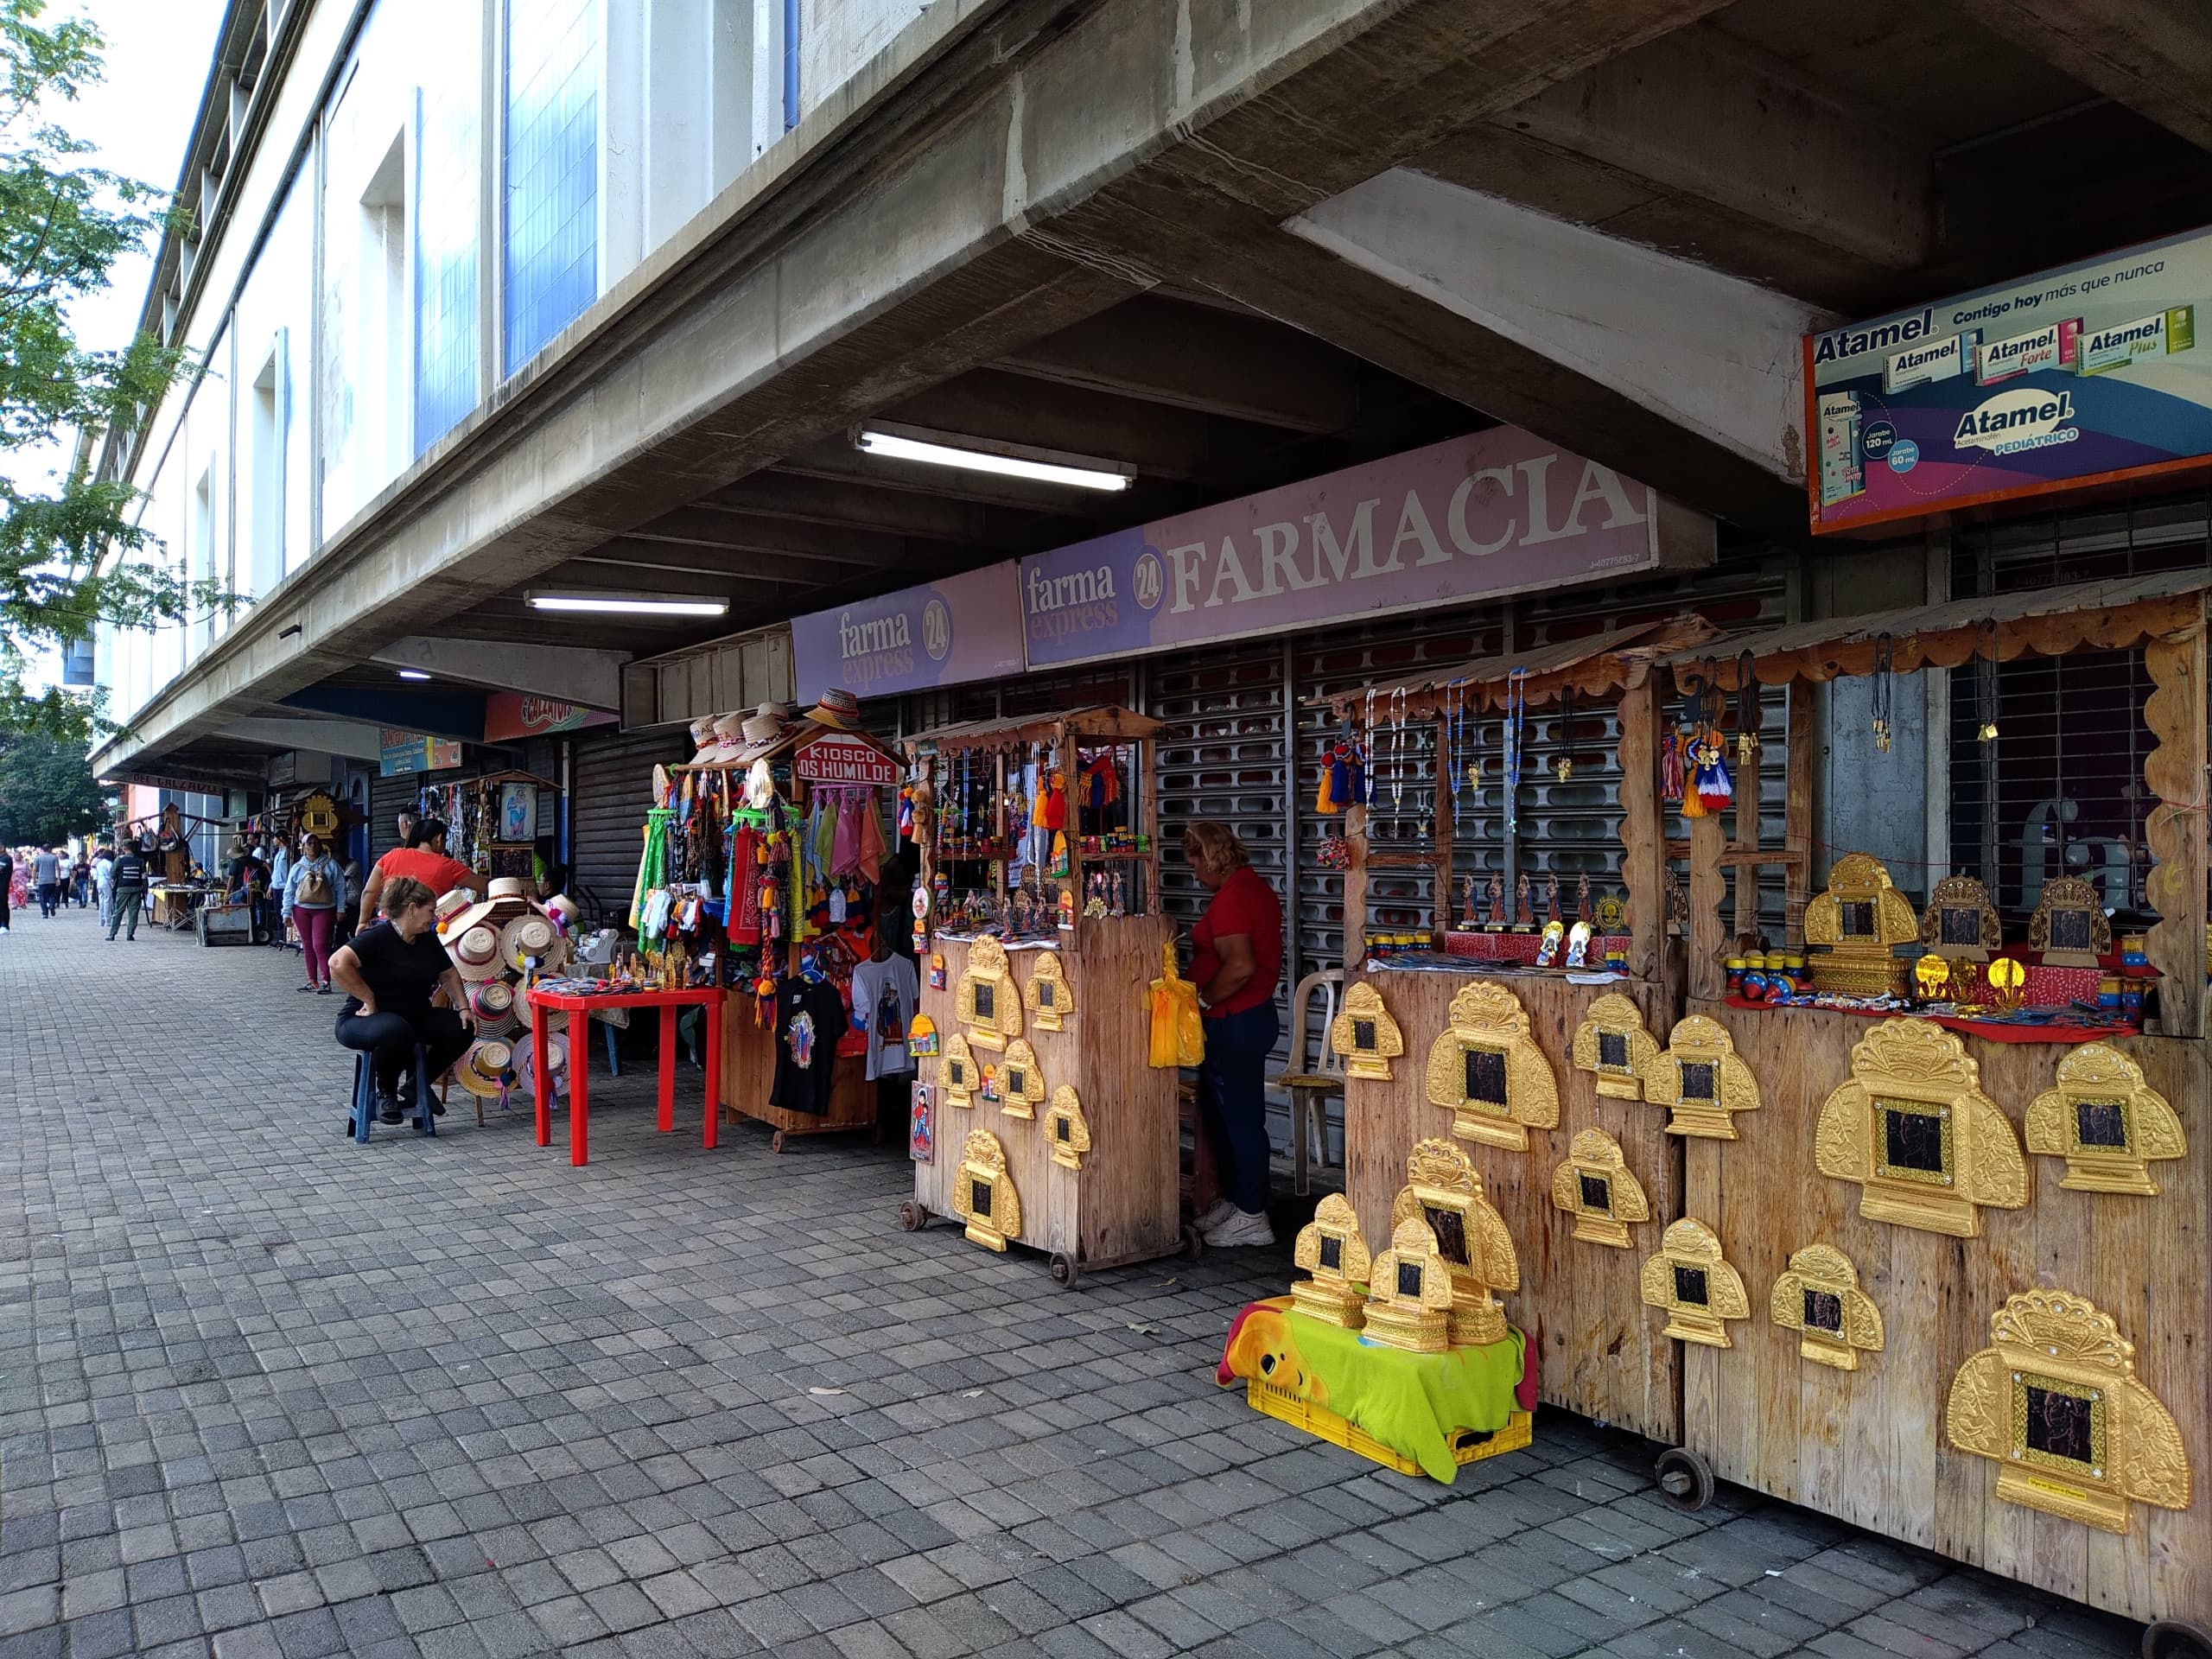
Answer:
(845, 841)
(873, 846)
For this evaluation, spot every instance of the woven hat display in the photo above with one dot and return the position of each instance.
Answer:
(526, 1015)
(493, 1001)
(506, 887)
(566, 908)
(838, 709)
(481, 1068)
(729, 738)
(475, 952)
(702, 740)
(450, 905)
(530, 936)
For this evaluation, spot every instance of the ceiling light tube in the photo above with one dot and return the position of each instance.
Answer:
(989, 455)
(631, 604)
(412, 673)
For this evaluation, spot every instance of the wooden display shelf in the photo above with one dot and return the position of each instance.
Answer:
(1599, 1352)
(1869, 1446)
(1124, 1204)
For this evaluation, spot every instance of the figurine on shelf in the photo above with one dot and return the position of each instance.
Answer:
(1497, 915)
(1551, 898)
(1582, 897)
(1467, 909)
(1115, 905)
(1524, 909)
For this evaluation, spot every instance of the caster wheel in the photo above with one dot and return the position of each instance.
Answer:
(2176, 1638)
(1193, 1246)
(912, 1218)
(776, 1142)
(1064, 1271)
(1685, 1479)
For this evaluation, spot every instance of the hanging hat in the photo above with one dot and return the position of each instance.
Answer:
(838, 709)
(475, 951)
(494, 1001)
(530, 936)
(566, 908)
(702, 740)
(506, 886)
(526, 1015)
(481, 1070)
(450, 905)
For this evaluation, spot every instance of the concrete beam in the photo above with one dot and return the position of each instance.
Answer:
(2155, 56)
(592, 679)
(355, 740)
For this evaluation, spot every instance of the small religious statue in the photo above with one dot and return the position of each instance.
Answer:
(1582, 897)
(1468, 916)
(1496, 899)
(1524, 909)
(1118, 901)
(1551, 898)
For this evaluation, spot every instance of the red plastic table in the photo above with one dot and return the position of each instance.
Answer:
(578, 1008)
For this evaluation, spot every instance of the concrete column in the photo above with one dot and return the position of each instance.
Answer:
(679, 66)
(622, 142)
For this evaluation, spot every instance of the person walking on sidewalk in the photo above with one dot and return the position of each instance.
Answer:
(104, 878)
(7, 884)
(315, 892)
(46, 876)
(129, 877)
(388, 974)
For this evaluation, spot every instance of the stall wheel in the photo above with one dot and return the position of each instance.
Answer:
(2176, 1638)
(1685, 1479)
(912, 1218)
(1193, 1246)
(776, 1142)
(1064, 1271)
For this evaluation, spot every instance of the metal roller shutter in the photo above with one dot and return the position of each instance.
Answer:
(612, 793)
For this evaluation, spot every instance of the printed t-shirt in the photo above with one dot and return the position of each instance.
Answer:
(884, 994)
(1245, 904)
(401, 972)
(810, 1019)
(434, 870)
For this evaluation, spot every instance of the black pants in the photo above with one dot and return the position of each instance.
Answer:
(390, 1039)
(49, 897)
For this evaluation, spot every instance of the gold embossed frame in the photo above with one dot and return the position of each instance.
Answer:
(1331, 1250)
(1020, 1081)
(1613, 1046)
(1959, 923)
(1818, 1298)
(983, 1194)
(1067, 1132)
(1487, 1068)
(986, 1000)
(1861, 920)
(1692, 1281)
(1594, 1185)
(1365, 1034)
(1912, 1127)
(2069, 926)
(957, 1075)
(2106, 1122)
(1409, 1292)
(1702, 1080)
(1048, 996)
(2055, 1403)
(1443, 1190)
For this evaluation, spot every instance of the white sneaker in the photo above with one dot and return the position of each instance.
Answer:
(1241, 1228)
(1222, 1211)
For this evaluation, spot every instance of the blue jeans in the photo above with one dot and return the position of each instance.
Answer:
(1233, 1101)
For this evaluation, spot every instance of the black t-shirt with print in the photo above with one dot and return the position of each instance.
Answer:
(810, 1019)
(401, 972)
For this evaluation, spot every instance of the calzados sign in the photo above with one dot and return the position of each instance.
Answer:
(836, 758)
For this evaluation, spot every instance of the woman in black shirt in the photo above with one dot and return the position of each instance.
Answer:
(388, 974)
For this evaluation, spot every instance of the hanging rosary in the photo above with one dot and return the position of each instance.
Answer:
(1397, 759)
(1988, 732)
(1516, 715)
(1563, 766)
(1881, 693)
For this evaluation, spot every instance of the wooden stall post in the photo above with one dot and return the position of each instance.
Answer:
(2174, 772)
(1797, 820)
(1643, 850)
(1355, 918)
(1708, 939)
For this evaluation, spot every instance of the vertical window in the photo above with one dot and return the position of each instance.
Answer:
(447, 168)
(552, 184)
(269, 418)
(199, 620)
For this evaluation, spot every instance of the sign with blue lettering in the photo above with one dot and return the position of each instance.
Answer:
(948, 633)
(1495, 513)
(2083, 376)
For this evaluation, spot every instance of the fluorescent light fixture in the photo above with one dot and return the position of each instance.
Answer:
(412, 673)
(631, 604)
(989, 455)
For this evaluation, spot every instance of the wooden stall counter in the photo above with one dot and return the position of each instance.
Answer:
(1857, 1423)
(1096, 1190)
(749, 1073)
(1600, 1353)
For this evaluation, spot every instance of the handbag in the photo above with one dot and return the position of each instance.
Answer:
(1178, 1032)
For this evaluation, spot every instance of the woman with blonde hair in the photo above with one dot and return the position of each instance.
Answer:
(1237, 962)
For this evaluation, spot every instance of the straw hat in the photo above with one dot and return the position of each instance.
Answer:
(702, 740)
(506, 887)
(475, 951)
(450, 905)
(838, 709)
(729, 738)
(493, 1001)
(560, 904)
(482, 1070)
(530, 935)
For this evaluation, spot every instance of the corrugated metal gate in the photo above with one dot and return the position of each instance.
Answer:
(612, 792)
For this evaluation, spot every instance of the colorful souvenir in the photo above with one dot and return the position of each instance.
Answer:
(986, 1000)
(1067, 1134)
(1048, 996)
(1365, 1034)
(983, 1194)
(1331, 1250)
(1020, 1080)
(1960, 922)
(1443, 1190)
(1861, 918)
(1409, 1293)
(2069, 926)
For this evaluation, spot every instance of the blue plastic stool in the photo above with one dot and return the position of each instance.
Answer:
(364, 1111)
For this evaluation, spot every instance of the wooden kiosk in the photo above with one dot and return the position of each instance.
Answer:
(1578, 1301)
(1935, 1386)
(1049, 1127)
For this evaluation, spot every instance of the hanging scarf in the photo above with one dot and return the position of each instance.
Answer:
(845, 849)
(873, 846)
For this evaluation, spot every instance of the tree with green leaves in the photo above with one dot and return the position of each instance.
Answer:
(66, 537)
(47, 792)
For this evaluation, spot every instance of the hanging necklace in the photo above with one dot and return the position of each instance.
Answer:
(1397, 758)
(1563, 766)
(1988, 732)
(1516, 713)
(1881, 693)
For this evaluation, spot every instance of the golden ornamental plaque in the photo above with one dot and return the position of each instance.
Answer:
(1612, 1044)
(2106, 1122)
(1365, 1034)
(1698, 1289)
(1330, 1248)
(1959, 923)
(986, 1000)
(983, 1194)
(1595, 1187)
(958, 1076)
(1487, 1068)
(1913, 1128)
(1020, 1081)
(1066, 1132)
(1443, 1190)
(1702, 1079)
(2069, 926)
(1861, 919)
(1049, 998)
(2055, 1403)
(1409, 1293)
(1818, 1298)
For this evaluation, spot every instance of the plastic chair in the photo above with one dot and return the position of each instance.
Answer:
(364, 1113)
(1311, 1084)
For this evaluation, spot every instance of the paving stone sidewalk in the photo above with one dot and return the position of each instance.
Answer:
(263, 1392)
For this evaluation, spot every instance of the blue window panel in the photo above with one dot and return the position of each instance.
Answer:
(552, 165)
(446, 254)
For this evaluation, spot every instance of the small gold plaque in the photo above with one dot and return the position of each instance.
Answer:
(1020, 1081)
(983, 1194)
(1365, 1034)
(1330, 1248)
(1595, 1187)
(1048, 997)
(1861, 919)
(2069, 926)
(1409, 1293)
(958, 1077)
(1487, 1070)
(1818, 1298)
(1612, 1044)
(1066, 1132)
(986, 1000)
(1698, 1289)
(1443, 1190)
(1702, 1079)
(1959, 923)
(2106, 1122)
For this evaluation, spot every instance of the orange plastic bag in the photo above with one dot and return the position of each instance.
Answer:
(1178, 1031)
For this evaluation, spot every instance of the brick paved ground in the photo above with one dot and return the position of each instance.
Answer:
(264, 1392)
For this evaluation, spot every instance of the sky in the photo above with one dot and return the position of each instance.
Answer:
(140, 117)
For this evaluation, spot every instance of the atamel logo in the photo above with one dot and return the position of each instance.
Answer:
(2013, 420)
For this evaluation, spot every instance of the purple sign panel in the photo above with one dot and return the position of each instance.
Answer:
(1500, 512)
(965, 627)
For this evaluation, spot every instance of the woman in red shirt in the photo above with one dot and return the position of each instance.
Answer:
(423, 859)
(1237, 962)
